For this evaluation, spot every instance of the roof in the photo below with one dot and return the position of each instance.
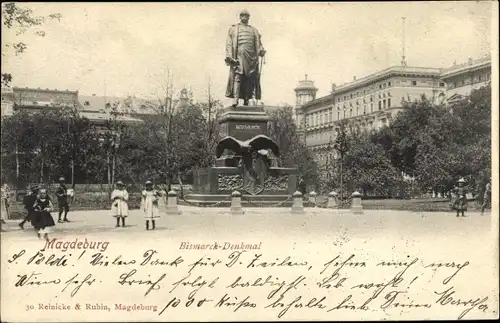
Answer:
(97, 116)
(388, 72)
(470, 66)
(306, 85)
(18, 89)
(96, 103)
(130, 104)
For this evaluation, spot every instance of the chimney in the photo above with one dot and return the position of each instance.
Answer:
(470, 61)
(93, 94)
(334, 86)
(354, 78)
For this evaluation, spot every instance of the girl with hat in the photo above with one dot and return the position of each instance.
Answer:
(43, 220)
(149, 204)
(119, 205)
(460, 203)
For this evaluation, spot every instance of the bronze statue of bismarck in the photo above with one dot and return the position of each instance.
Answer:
(243, 49)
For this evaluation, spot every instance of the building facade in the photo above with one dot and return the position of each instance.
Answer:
(35, 100)
(462, 79)
(43, 99)
(367, 103)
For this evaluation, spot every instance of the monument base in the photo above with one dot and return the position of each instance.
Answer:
(243, 123)
(215, 184)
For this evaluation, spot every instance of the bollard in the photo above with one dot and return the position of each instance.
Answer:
(332, 200)
(312, 198)
(236, 208)
(172, 207)
(356, 206)
(297, 203)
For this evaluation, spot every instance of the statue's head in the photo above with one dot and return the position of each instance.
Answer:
(244, 16)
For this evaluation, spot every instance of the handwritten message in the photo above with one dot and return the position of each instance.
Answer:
(157, 282)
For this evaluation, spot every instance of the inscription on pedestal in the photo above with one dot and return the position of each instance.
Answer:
(246, 130)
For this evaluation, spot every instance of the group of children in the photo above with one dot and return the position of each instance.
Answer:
(150, 202)
(39, 206)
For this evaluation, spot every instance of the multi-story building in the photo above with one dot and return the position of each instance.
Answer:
(34, 100)
(43, 99)
(367, 103)
(461, 79)
(132, 105)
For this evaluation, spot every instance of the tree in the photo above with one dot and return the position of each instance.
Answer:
(405, 132)
(342, 145)
(293, 153)
(368, 169)
(21, 19)
(44, 143)
(457, 144)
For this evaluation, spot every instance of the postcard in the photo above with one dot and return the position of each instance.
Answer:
(249, 161)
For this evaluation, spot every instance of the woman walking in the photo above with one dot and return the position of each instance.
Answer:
(119, 204)
(43, 220)
(149, 205)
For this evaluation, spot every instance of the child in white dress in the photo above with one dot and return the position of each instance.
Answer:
(149, 204)
(119, 203)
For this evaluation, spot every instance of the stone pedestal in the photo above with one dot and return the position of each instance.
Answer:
(356, 206)
(215, 184)
(242, 123)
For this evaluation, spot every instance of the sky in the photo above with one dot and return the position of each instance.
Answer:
(121, 49)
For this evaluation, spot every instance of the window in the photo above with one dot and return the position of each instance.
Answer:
(344, 114)
(480, 78)
(389, 83)
(414, 83)
(357, 111)
(380, 105)
(338, 115)
(384, 104)
(371, 107)
(463, 82)
(364, 109)
(350, 113)
(351, 95)
(388, 103)
(441, 84)
(380, 86)
(488, 76)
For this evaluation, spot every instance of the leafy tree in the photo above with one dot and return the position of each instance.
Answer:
(293, 152)
(405, 133)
